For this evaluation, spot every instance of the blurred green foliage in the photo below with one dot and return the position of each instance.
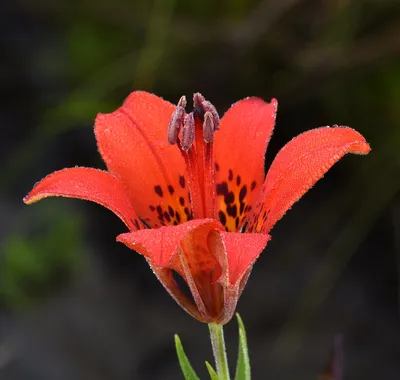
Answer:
(332, 61)
(34, 265)
(327, 62)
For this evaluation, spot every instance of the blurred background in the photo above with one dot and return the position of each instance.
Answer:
(74, 304)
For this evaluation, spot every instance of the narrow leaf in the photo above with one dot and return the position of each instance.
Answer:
(211, 371)
(186, 367)
(243, 363)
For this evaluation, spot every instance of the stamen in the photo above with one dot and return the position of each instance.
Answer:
(200, 101)
(196, 146)
(208, 107)
(176, 121)
(188, 132)
(208, 127)
(182, 102)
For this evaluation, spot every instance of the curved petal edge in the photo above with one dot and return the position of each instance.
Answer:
(89, 184)
(298, 166)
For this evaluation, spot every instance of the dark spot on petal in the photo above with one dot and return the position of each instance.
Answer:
(186, 210)
(171, 211)
(178, 217)
(217, 167)
(181, 201)
(231, 210)
(243, 192)
(167, 217)
(265, 216)
(159, 210)
(161, 217)
(137, 225)
(152, 208)
(222, 188)
(229, 198)
(171, 189)
(182, 181)
(253, 185)
(242, 205)
(158, 190)
(237, 222)
(175, 223)
(222, 217)
(230, 175)
(238, 180)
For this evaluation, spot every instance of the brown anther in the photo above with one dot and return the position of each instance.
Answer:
(188, 132)
(208, 127)
(209, 107)
(176, 121)
(206, 106)
(182, 102)
(198, 99)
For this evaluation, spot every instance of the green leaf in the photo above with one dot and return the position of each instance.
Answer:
(212, 372)
(186, 367)
(243, 363)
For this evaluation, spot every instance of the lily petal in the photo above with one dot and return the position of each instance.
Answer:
(133, 143)
(187, 250)
(88, 184)
(161, 244)
(243, 250)
(298, 166)
(166, 277)
(240, 147)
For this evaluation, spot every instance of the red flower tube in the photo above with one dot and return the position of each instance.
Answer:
(191, 188)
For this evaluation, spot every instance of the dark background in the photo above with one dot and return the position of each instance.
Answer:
(74, 304)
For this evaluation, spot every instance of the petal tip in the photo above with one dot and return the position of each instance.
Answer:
(27, 200)
(359, 145)
(362, 146)
(122, 238)
(274, 103)
(33, 197)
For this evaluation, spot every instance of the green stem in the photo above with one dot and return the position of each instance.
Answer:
(218, 346)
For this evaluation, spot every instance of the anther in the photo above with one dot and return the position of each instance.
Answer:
(206, 106)
(208, 127)
(188, 132)
(198, 99)
(182, 102)
(176, 121)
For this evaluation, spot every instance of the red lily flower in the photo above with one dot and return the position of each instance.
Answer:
(197, 207)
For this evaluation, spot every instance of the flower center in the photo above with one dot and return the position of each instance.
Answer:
(195, 143)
